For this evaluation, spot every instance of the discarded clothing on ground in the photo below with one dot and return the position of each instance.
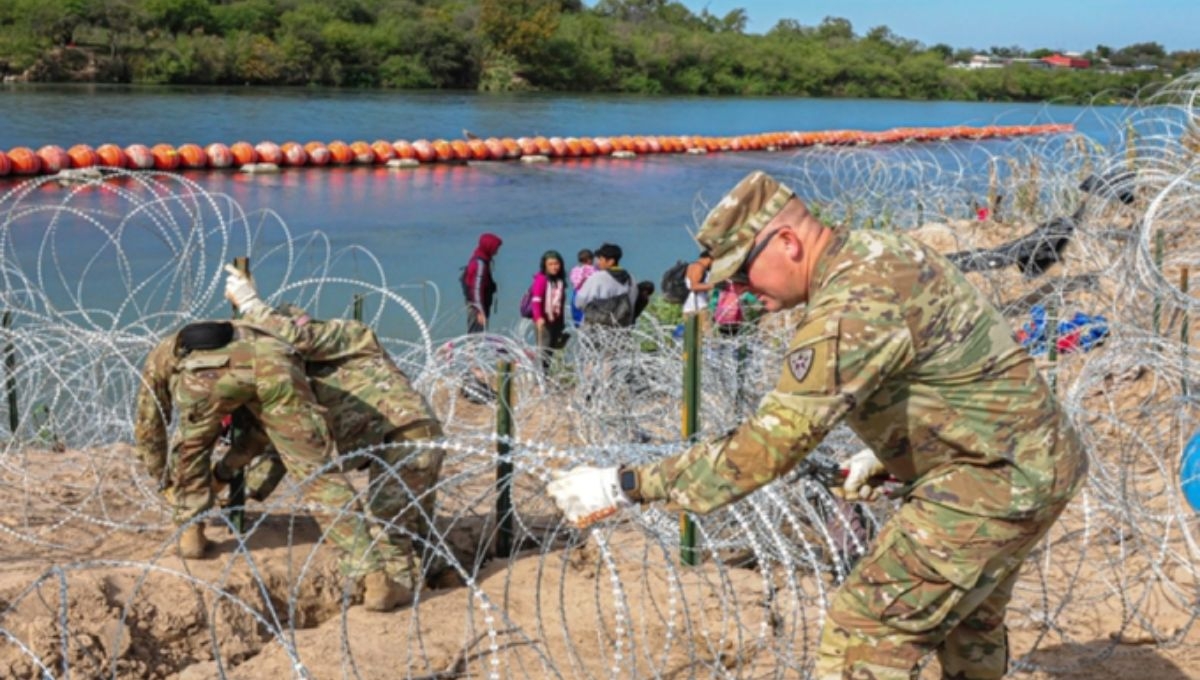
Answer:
(1076, 334)
(1032, 253)
(1036, 251)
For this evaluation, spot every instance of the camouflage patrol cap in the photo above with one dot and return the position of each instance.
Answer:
(729, 230)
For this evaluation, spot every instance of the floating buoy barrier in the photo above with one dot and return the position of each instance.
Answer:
(51, 159)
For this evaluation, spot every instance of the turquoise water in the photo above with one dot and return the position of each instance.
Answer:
(423, 223)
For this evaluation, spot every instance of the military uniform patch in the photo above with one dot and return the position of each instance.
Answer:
(800, 363)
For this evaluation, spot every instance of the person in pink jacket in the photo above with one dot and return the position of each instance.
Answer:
(549, 296)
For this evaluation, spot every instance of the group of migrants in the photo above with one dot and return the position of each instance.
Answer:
(893, 341)
(597, 292)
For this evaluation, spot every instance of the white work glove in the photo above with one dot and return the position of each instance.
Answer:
(862, 468)
(240, 290)
(587, 494)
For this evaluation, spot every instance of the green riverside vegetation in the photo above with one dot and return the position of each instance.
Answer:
(633, 46)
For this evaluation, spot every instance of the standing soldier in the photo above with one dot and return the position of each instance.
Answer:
(218, 367)
(896, 342)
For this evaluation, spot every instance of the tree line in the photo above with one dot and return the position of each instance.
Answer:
(630, 46)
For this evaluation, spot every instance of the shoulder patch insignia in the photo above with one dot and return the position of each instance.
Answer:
(800, 362)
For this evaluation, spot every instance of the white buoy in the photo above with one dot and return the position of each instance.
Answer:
(260, 168)
(697, 150)
(624, 154)
(403, 163)
(77, 175)
(535, 158)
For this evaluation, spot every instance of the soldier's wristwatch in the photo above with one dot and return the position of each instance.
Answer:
(628, 479)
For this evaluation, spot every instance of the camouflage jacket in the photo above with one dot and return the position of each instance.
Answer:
(366, 394)
(153, 410)
(922, 367)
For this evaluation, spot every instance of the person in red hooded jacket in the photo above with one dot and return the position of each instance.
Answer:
(479, 286)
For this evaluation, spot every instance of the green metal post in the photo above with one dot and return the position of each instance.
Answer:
(504, 467)
(1158, 265)
(10, 379)
(1052, 342)
(691, 408)
(358, 307)
(237, 486)
(1184, 336)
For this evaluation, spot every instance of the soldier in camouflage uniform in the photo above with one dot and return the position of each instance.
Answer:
(219, 367)
(899, 345)
(377, 419)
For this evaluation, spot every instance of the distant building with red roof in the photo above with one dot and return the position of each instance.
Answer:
(1061, 61)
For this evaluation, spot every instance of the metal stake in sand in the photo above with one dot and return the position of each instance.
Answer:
(1158, 267)
(691, 408)
(1052, 343)
(10, 379)
(237, 430)
(358, 307)
(1184, 339)
(504, 466)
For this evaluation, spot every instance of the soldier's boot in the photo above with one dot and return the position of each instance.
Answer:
(383, 593)
(192, 543)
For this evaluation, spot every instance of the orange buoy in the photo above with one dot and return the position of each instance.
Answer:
(318, 153)
(293, 154)
(165, 157)
(363, 155)
(191, 156)
(5, 164)
(82, 156)
(479, 150)
(587, 147)
(24, 161)
(461, 151)
(424, 150)
(403, 149)
(219, 155)
(442, 149)
(527, 146)
(53, 158)
(383, 151)
(495, 149)
(511, 148)
(243, 153)
(558, 148)
(340, 153)
(269, 152)
(112, 156)
(139, 156)
(604, 145)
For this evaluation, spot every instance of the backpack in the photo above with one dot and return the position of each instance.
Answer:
(527, 303)
(615, 311)
(674, 283)
(729, 308)
(462, 278)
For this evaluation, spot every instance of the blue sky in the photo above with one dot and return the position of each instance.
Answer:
(1076, 25)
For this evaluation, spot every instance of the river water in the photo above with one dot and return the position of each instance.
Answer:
(423, 223)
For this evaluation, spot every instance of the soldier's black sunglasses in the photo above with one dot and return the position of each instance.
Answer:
(742, 275)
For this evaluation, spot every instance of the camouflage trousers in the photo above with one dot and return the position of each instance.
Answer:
(936, 580)
(401, 491)
(265, 376)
